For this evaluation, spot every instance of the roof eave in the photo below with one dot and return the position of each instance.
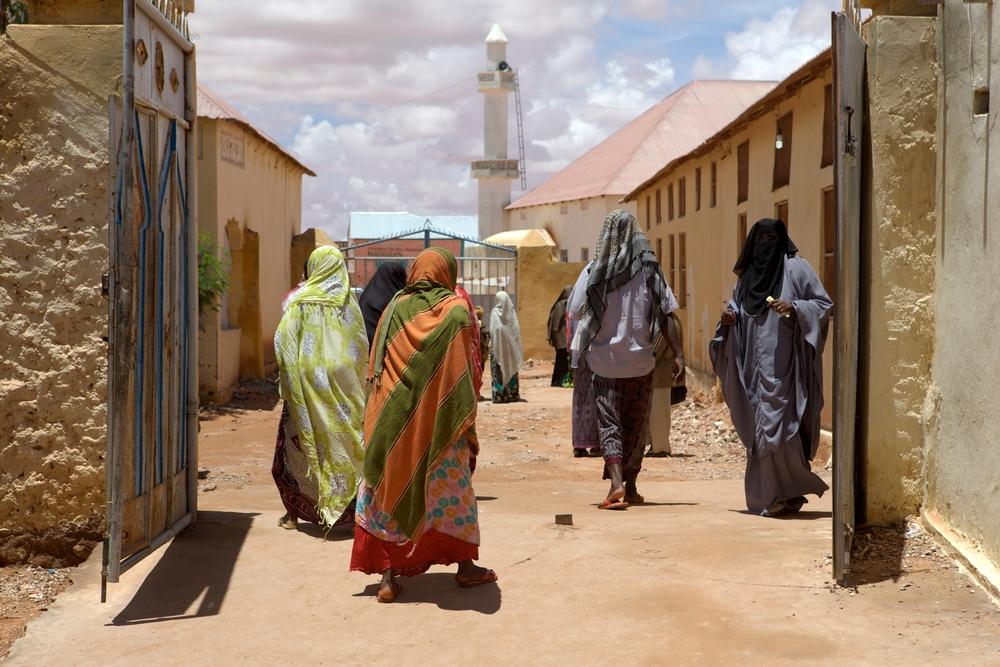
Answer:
(808, 71)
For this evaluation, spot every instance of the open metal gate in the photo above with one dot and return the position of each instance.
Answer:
(850, 105)
(152, 289)
(483, 268)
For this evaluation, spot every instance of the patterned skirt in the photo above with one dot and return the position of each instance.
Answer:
(584, 408)
(298, 492)
(451, 523)
(504, 393)
(622, 415)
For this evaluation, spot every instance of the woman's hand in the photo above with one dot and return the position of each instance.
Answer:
(783, 308)
(679, 370)
(728, 317)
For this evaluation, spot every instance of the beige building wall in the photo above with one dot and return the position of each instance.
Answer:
(540, 279)
(712, 236)
(574, 225)
(250, 204)
(899, 263)
(54, 184)
(963, 431)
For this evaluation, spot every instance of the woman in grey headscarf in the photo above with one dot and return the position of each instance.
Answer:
(627, 311)
(505, 350)
(768, 353)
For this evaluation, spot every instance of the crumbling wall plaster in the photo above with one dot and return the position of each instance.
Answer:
(53, 250)
(900, 251)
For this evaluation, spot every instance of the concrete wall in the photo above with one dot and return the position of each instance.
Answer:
(245, 182)
(573, 230)
(963, 448)
(54, 181)
(712, 234)
(900, 252)
(540, 279)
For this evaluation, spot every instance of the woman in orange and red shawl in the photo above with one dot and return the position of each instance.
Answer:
(416, 506)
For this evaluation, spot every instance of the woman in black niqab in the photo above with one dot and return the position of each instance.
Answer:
(761, 266)
(388, 279)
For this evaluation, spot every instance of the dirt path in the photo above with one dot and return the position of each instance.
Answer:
(686, 579)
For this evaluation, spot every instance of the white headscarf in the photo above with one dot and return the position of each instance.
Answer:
(505, 337)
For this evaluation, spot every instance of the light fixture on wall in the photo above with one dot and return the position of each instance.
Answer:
(779, 141)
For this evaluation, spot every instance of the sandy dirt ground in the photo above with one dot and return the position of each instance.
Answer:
(688, 578)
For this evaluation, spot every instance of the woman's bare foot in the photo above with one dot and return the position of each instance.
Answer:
(389, 588)
(470, 575)
(289, 522)
(632, 496)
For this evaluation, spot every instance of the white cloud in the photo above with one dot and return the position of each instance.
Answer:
(772, 48)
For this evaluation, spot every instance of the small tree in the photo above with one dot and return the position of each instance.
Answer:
(12, 12)
(213, 273)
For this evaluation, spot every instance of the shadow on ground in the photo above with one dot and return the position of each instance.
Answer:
(197, 565)
(877, 554)
(440, 588)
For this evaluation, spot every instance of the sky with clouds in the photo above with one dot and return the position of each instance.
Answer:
(379, 96)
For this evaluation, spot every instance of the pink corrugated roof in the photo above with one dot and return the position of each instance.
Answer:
(669, 129)
(211, 105)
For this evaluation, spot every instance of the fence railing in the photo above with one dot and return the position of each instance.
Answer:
(853, 12)
(176, 12)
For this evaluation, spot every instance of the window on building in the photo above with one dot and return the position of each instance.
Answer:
(741, 232)
(743, 172)
(659, 251)
(670, 202)
(524, 214)
(697, 189)
(829, 128)
(712, 190)
(681, 198)
(584, 254)
(563, 208)
(564, 255)
(682, 281)
(584, 204)
(672, 263)
(659, 209)
(783, 152)
(829, 243)
(648, 210)
(781, 212)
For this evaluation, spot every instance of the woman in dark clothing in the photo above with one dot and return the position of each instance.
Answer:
(557, 337)
(388, 279)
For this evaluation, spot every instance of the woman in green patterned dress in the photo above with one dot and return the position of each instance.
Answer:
(322, 353)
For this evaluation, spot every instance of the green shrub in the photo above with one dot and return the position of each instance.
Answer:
(213, 273)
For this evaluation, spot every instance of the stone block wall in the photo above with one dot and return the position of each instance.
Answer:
(54, 182)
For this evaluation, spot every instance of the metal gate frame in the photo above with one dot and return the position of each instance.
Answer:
(850, 105)
(507, 256)
(127, 334)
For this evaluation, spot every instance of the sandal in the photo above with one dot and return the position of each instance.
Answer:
(487, 577)
(579, 453)
(613, 504)
(387, 597)
(635, 499)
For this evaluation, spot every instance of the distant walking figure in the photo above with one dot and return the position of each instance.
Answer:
(557, 337)
(389, 278)
(627, 310)
(585, 438)
(505, 350)
(416, 506)
(768, 353)
(321, 350)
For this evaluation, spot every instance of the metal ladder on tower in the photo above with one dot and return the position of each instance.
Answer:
(520, 130)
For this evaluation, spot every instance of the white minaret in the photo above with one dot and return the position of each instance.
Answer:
(495, 171)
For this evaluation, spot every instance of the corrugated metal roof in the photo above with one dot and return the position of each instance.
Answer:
(670, 128)
(367, 225)
(211, 105)
(811, 69)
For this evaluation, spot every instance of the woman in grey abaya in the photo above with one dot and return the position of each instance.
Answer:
(768, 353)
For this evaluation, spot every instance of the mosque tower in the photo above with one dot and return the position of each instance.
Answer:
(495, 172)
